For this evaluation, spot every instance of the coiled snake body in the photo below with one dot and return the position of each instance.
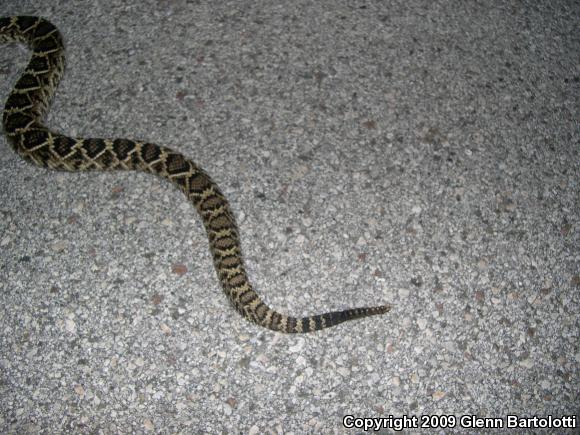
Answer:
(31, 139)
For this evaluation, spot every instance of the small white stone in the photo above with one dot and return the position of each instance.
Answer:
(70, 326)
(166, 329)
(297, 346)
(532, 298)
(422, 323)
(403, 293)
(438, 395)
(180, 379)
(59, 246)
(148, 424)
(78, 207)
(79, 390)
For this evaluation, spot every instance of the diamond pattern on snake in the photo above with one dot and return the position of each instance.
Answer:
(23, 116)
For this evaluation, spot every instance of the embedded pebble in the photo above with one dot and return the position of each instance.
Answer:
(70, 326)
(148, 425)
(298, 346)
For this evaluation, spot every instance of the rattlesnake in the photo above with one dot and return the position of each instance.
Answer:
(31, 139)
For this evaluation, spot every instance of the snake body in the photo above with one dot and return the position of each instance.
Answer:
(31, 139)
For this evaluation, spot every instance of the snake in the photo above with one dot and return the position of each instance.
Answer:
(27, 105)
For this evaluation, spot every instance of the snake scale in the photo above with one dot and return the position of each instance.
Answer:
(32, 140)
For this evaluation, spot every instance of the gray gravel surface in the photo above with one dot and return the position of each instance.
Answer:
(423, 153)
